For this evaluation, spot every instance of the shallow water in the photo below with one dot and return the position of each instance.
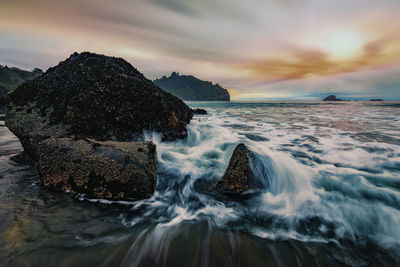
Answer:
(331, 176)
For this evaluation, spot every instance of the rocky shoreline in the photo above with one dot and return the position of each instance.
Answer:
(82, 123)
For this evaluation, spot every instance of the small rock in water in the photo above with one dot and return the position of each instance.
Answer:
(199, 111)
(239, 176)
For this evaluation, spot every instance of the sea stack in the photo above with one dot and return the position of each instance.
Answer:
(91, 110)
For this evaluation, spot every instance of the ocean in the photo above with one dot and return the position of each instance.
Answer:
(330, 197)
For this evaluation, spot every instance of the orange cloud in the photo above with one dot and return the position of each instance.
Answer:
(308, 63)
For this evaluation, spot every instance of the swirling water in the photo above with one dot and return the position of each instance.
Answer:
(331, 176)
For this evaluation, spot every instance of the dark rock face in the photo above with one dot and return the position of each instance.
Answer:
(331, 98)
(3, 96)
(189, 88)
(59, 115)
(199, 111)
(376, 99)
(238, 177)
(112, 170)
(102, 97)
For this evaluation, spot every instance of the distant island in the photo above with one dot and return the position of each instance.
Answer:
(332, 98)
(190, 88)
(11, 78)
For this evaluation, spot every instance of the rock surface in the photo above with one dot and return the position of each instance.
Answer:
(112, 170)
(95, 96)
(90, 96)
(331, 98)
(238, 177)
(376, 99)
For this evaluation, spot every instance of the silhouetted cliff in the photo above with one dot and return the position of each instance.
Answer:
(190, 88)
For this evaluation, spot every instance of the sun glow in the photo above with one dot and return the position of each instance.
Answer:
(341, 45)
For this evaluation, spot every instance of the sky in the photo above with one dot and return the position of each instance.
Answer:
(257, 49)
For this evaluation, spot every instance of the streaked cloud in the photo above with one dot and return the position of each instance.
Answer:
(257, 49)
(303, 64)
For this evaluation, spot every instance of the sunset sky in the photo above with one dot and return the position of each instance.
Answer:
(258, 49)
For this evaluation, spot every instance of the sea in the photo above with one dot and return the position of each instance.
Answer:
(331, 195)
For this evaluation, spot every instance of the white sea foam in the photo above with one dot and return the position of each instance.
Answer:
(330, 172)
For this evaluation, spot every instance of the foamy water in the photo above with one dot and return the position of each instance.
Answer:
(331, 171)
(330, 174)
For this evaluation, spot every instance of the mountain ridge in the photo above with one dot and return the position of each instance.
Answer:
(12, 77)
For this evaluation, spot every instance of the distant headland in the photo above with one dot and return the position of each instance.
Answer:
(11, 78)
(190, 88)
